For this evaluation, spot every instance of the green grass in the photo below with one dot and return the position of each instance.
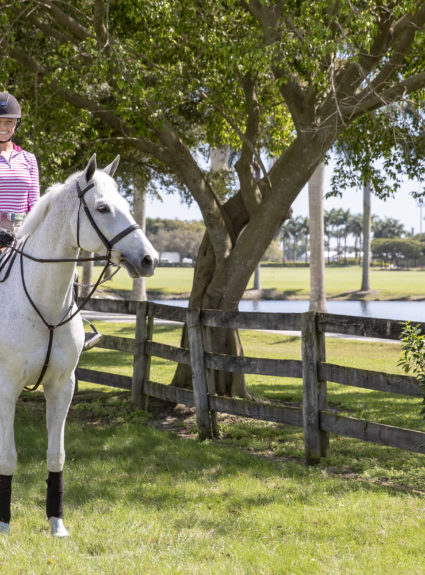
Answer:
(140, 500)
(289, 282)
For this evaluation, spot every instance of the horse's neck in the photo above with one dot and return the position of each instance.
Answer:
(50, 284)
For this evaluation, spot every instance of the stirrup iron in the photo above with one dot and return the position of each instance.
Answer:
(92, 338)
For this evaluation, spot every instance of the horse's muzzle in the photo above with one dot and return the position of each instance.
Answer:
(143, 268)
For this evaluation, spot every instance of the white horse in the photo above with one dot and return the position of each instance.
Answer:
(37, 310)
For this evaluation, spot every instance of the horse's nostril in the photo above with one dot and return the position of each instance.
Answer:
(147, 262)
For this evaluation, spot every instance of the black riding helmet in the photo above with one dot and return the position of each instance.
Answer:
(10, 108)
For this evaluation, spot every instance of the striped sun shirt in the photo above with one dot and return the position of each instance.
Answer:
(19, 182)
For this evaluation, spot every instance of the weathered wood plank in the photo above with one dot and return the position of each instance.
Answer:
(362, 326)
(409, 439)
(260, 366)
(314, 389)
(110, 305)
(170, 352)
(199, 381)
(169, 393)
(262, 411)
(388, 382)
(210, 377)
(251, 320)
(167, 312)
(116, 343)
(141, 360)
(102, 378)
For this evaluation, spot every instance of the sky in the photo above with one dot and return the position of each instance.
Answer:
(402, 207)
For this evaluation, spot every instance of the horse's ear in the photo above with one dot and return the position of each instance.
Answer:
(112, 167)
(90, 169)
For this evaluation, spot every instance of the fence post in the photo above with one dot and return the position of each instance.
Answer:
(141, 361)
(323, 386)
(314, 390)
(197, 360)
(210, 381)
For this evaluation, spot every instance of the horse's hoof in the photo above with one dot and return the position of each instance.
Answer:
(4, 527)
(57, 528)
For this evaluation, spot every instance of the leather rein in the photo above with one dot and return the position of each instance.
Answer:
(69, 314)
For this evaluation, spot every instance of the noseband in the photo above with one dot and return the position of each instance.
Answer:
(112, 257)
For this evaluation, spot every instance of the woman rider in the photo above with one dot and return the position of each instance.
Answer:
(19, 179)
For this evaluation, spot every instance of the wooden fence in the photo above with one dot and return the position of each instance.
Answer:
(313, 416)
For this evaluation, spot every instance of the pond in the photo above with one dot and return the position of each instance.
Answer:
(402, 310)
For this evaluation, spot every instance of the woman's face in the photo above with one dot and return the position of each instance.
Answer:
(7, 128)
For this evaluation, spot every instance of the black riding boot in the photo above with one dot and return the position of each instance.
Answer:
(5, 497)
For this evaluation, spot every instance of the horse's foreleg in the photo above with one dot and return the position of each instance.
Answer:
(7, 455)
(58, 400)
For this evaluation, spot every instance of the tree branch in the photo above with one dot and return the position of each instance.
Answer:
(390, 95)
(180, 159)
(400, 50)
(63, 20)
(102, 33)
(244, 166)
(47, 29)
(84, 103)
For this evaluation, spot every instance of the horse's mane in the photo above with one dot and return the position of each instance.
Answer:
(42, 207)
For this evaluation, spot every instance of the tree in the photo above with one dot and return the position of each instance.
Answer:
(355, 228)
(387, 228)
(365, 285)
(286, 77)
(395, 249)
(375, 152)
(285, 234)
(328, 232)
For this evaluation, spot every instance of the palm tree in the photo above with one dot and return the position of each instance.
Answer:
(387, 228)
(286, 235)
(355, 228)
(365, 286)
(339, 220)
(328, 230)
(303, 233)
(317, 255)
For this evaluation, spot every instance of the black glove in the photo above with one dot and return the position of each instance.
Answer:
(6, 239)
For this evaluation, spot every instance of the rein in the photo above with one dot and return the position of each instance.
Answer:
(69, 314)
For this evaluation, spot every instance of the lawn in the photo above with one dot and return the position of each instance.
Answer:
(143, 500)
(290, 282)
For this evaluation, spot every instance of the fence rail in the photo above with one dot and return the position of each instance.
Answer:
(314, 416)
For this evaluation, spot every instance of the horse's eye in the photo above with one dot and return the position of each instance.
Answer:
(103, 208)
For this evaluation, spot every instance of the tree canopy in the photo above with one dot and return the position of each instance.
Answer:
(169, 79)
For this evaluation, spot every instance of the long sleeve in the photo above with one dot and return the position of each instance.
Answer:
(34, 190)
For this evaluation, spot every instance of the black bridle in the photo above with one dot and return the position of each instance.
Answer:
(109, 244)
(69, 314)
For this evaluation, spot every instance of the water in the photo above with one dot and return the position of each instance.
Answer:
(400, 310)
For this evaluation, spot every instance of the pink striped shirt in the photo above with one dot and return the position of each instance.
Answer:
(19, 181)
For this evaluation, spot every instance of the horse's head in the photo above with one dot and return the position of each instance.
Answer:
(104, 222)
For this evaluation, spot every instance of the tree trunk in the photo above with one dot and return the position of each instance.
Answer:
(366, 236)
(317, 243)
(223, 268)
(139, 284)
